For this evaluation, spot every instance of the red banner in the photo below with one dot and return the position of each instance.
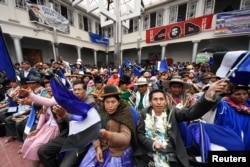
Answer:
(180, 29)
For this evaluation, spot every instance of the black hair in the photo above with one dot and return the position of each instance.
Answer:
(84, 85)
(155, 91)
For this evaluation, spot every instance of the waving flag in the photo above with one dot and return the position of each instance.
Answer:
(233, 64)
(68, 100)
(153, 71)
(120, 71)
(109, 71)
(162, 65)
(85, 123)
(6, 64)
(127, 62)
(241, 74)
(210, 137)
(31, 120)
(138, 70)
(64, 80)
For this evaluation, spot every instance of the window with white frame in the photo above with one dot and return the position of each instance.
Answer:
(208, 7)
(20, 4)
(173, 14)
(191, 10)
(109, 31)
(71, 17)
(245, 4)
(97, 28)
(84, 23)
(57, 7)
(89, 25)
(152, 19)
(133, 25)
(136, 24)
(146, 22)
(159, 18)
(65, 12)
(80, 22)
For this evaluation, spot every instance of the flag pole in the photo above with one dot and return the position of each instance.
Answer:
(237, 65)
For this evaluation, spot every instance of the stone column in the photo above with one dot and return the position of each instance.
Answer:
(18, 48)
(195, 47)
(163, 51)
(121, 57)
(95, 57)
(79, 52)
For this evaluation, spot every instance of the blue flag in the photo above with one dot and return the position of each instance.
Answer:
(138, 70)
(64, 80)
(162, 66)
(109, 72)
(120, 71)
(31, 120)
(127, 62)
(6, 64)
(241, 74)
(68, 100)
(153, 71)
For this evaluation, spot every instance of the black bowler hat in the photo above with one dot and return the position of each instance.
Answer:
(125, 79)
(98, 79)
(110, 90)
(33, 80)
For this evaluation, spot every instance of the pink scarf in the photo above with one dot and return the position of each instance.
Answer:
(242, 108)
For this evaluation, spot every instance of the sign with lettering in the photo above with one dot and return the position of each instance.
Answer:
(47, 17)
(95, 38)
(233, 22)
(179, 29)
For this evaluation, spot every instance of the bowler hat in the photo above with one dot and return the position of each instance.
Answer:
(110, 90)
(33, 80)
(98, 79)
(125, 79)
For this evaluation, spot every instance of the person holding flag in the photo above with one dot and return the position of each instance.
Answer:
(46, 130)
(78, 121)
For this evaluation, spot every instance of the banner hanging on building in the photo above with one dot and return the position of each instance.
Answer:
(95, 38)
(48, 17)
(233, 22)
(179, 29)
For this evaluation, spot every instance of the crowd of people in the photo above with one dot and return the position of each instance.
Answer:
(134, 120)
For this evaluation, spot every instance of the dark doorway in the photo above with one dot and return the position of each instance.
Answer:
(32, 55)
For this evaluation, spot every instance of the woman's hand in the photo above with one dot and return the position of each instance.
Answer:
(24, 93)
(104, 134)
(99, 154)
(59, 111)
(33, 133)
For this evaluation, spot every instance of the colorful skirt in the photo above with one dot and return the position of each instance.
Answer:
(123, 161)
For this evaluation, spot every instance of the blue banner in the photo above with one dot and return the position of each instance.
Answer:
(95, 38)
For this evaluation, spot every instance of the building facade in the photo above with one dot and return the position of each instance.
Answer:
(28, 40)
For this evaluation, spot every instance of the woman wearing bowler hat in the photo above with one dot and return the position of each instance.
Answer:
(117, 136)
